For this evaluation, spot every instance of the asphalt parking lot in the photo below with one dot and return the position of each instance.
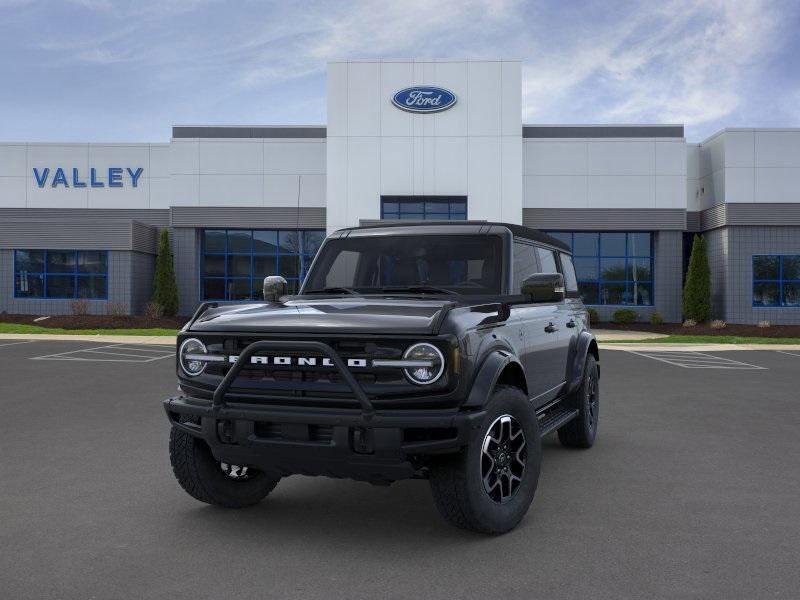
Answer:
(692, 491)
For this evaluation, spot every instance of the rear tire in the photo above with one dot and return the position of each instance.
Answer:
(489, 486)
(203, 477)
(582, 430)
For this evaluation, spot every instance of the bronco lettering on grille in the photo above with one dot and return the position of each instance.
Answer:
(299, 361)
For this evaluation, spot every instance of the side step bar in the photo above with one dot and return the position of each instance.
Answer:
(554, 419)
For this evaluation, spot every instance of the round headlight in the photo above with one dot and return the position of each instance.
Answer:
(188, 357)
(425, 353)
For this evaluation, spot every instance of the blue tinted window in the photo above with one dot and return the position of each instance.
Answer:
(235, 261)
(612, 267)
(776, 280)
(66, 274)
(423, 208)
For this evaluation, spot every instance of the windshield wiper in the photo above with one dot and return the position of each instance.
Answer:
(417, 289)
(333, 290)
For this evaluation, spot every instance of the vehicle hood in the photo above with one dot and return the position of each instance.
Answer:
(327, 315)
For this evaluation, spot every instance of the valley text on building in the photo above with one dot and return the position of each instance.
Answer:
(405, 139)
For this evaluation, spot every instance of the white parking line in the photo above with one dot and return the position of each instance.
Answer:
(16, 343)
(698, 360)
(788, 353)
(125, 352)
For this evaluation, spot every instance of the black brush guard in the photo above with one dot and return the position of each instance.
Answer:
(218, 403)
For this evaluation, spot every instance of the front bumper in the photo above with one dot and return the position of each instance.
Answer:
(379, 447)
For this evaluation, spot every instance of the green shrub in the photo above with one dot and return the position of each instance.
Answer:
(656, 318)
(697, 290)
(624, 315)
(593, 316)
(165, 288)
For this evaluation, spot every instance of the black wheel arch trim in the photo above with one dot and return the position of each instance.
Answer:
(586, 344)
(488, 373)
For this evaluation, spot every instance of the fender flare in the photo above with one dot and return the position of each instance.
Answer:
(585, 344)
(487, 375)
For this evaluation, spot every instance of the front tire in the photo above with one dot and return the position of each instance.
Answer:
(489, 486)
(582, 430)
(207, 480)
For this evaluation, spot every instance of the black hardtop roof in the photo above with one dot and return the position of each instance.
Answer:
(478, 227)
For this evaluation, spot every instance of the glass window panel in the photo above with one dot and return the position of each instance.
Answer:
(612, 244)
(639, 269)
(639, 244)
(92, 261)
(30, 260)
(60, 261)
(239, 289)
(312, 240)
(391, 216)
(289, 241)
(587, 268)
(60, 286)
(265, 242)
(640, 294)
(458, 206)
(214, 265)
(92, 286)
(437, 217)
(214, 289)
(459, 217)
(412, 207)
(586, 244)
(240, 241)
(525, 264)
(766, 294)
(568, 269)
(436, 207)
(547, 261)
(612, 293)
(238, 266)
(264, 266)
(390, 207)
(765, 267)
(412, 216)
(791, 267)
(214, 240)
(29, 286)
(588, 292)
(612, 269)
(791, 294)
(289, 266)
(564, 236)
(292, 285)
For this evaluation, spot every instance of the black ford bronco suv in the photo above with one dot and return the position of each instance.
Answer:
(440, 351)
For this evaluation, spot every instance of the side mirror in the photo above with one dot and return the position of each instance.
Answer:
(544, 287)
(274, 287)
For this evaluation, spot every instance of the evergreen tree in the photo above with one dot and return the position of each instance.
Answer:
(165, 288)
(697, 290)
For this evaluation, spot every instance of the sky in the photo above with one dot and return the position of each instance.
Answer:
(126, 71)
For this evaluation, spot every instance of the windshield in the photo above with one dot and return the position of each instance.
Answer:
(424, 264)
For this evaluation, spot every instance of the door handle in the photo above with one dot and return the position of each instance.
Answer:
(571, 323)
(551, 328)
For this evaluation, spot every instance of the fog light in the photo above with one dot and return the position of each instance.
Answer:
(433, 359)
(190, 355)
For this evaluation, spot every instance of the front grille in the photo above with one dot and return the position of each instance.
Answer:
(321, 434)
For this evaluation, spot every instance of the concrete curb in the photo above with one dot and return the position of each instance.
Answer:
(164, 340)
(699, 347)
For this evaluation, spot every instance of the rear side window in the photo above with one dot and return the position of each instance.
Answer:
(547, 260)
(570, 280)
(525, 264)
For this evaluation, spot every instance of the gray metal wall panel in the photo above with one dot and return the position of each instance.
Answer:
(65, 234)
(151, 216)
(713, 217)
(311, 132)
(693, 221)
(186, 257)
(605, 219)
(602, 131)
(762, 213)
(144, 238)
(668, 275)
(717, 251)
(256, 217)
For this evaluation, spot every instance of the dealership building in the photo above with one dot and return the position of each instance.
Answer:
(405, 139)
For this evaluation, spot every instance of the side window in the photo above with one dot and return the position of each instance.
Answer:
(570, 280)
(525, 264)
(547, 261)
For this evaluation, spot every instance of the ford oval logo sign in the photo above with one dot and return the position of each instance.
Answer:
(424, 99)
